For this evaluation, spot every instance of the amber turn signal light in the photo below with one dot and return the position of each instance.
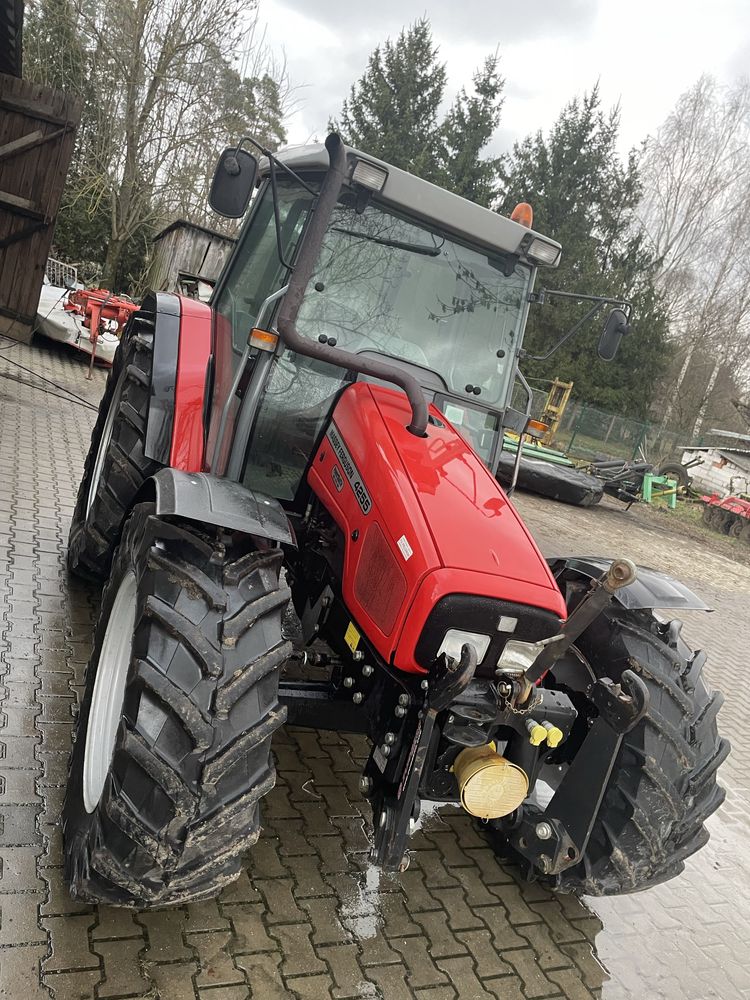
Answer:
(263, 340)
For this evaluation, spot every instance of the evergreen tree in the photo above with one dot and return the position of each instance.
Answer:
(585, 197)
(467, 129)
(392, 110)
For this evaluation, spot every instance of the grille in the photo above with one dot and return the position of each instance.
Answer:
(379, 584)
(481, 614)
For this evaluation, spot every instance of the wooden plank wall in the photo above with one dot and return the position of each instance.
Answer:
(37, 132)
(187, 248)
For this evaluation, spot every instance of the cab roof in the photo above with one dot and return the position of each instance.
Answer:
(416, 197)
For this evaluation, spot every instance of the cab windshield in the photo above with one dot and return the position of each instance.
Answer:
(385, 284)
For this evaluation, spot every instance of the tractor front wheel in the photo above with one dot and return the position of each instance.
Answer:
(663, 784)
(172, 752)
(662, 787)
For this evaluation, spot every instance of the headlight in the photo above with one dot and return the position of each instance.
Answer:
(454, 639)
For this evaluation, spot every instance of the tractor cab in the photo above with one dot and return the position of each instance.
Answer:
(406, 274)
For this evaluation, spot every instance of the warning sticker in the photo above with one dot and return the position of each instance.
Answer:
(352, 636)
(406, 550)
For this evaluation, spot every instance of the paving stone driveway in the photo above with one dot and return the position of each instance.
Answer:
(310, 918)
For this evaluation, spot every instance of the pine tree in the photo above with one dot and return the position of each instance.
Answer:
(585, 197)
(467, 129)
(392, 110)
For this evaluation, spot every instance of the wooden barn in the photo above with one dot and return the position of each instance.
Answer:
(37, 131)
(188, 258)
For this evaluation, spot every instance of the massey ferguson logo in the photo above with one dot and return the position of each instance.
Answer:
(350, 469)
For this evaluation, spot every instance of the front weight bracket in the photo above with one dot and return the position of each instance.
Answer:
(555, 839)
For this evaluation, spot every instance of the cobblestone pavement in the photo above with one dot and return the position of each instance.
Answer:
(310, 918)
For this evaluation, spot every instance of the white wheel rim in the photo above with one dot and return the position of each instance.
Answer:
(109, 692)
(101, 452)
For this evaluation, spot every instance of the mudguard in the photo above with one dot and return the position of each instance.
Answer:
(199, 496)
(651, 589)
(181, 352)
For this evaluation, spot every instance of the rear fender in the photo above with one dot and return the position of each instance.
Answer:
(198, 496)
(651, 589)
(175, 433)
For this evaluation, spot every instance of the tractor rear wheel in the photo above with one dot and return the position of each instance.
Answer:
(116, 466)
(172, 752)
(663, 785)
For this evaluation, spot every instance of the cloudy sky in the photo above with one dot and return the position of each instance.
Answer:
(643, 52)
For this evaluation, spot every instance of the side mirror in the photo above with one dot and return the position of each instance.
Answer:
(614, 330)
(233, 183)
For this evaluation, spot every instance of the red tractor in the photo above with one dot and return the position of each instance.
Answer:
(289, 496)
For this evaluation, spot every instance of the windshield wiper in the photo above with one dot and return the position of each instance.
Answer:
(432, 251)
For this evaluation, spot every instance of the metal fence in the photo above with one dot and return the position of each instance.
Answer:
(60, 274)
(586, 432)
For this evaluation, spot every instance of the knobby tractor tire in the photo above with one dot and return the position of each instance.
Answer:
(120, 433)
(663, 784)
(192, 755)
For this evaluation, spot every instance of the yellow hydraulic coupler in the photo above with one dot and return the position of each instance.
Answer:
(555, 736)
(489, 785)
(537, 732)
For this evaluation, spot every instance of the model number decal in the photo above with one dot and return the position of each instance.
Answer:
(350, 469)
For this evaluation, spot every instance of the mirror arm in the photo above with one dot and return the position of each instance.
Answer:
(541, 295)
(274, 161)
(571, 333)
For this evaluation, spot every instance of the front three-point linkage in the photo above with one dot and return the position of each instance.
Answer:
(555, 838)
(395, 802)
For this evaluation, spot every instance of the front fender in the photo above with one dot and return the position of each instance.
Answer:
(651, 589)
(208, 499)
(180, 363)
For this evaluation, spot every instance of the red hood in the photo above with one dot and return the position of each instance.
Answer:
(473, 524)
(421, 518)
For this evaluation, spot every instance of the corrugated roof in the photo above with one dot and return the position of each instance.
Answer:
(738, 456)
